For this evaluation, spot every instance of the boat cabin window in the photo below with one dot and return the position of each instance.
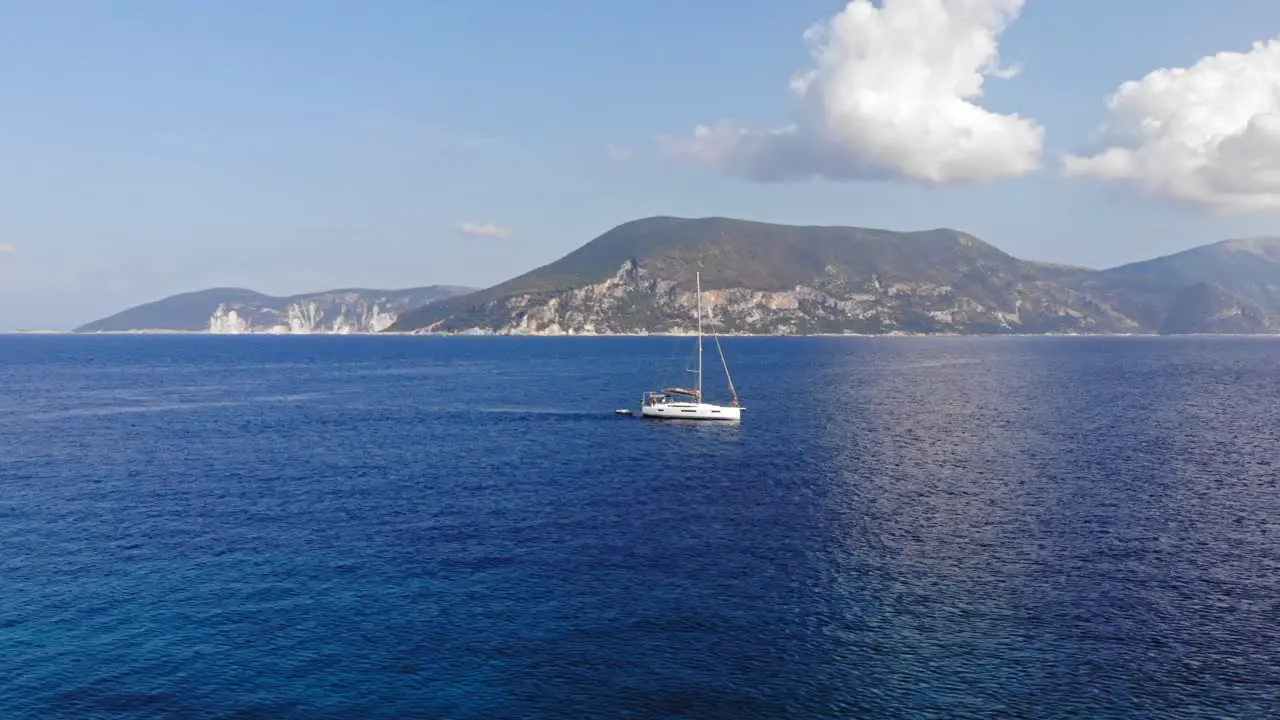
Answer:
(672, 395)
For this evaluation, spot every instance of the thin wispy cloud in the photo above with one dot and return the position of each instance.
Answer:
(485, 230)
(618, 154)
(7, 249)
(447, 138)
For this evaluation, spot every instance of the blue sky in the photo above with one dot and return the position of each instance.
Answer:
(152, 147)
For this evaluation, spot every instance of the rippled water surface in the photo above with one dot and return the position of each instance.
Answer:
(207, 527)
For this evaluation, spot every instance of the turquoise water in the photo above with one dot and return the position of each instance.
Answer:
(280, 527)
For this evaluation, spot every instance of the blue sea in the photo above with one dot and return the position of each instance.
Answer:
(416, 527)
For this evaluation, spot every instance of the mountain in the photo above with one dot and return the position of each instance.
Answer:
(764, 278)
(236, 310)
(1208, 308)
(1249, 269)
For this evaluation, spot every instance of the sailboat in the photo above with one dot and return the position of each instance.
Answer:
(675, 403)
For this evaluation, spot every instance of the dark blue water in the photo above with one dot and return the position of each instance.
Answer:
(204, 527)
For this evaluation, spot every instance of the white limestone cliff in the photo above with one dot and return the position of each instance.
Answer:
(338, 314)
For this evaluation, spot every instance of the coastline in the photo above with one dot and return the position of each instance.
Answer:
(204, 333)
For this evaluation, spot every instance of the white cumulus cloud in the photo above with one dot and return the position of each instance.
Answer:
(485, 230)
(1208, 134)
(893, 94)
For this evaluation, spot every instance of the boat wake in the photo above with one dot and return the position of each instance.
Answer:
(513, 410)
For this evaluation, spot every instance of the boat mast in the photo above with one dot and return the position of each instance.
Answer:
(698, 280)
(725, 363)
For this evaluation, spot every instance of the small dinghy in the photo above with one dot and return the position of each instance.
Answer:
(622, 411)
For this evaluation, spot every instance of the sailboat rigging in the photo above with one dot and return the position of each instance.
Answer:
(676, 403)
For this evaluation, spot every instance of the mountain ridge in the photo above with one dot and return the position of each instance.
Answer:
(232, 310)
(768, 278)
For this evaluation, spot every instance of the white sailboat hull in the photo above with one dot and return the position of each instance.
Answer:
(691, 411)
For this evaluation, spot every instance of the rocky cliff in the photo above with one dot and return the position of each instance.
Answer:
(235, 311)
(336, 313)
(635, 300)
(780, 280)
